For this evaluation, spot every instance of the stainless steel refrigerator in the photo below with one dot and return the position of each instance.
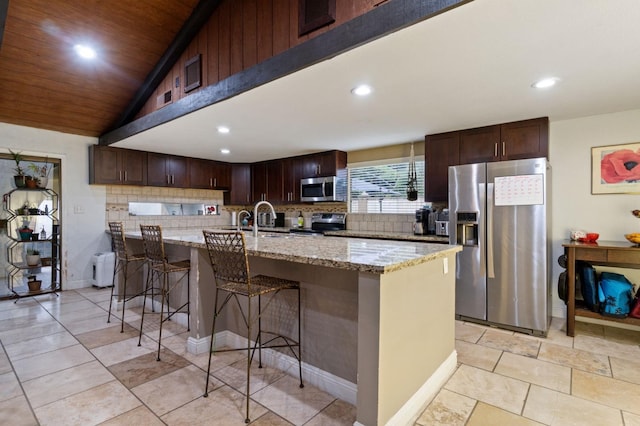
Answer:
(500, 213)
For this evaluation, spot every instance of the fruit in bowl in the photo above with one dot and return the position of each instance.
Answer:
(633, 237)
(590, 237)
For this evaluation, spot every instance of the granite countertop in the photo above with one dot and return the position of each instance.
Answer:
(364, 255)
(382, 235)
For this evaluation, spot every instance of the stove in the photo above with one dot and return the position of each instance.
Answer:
(321, 222)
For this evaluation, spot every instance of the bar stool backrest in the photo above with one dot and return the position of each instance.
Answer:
(118, 243)
(152, 242)
(228, 255)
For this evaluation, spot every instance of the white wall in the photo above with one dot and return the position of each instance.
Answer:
(574, 207)
(83, 213)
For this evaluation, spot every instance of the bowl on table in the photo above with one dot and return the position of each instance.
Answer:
(633, 237)
(591, 237)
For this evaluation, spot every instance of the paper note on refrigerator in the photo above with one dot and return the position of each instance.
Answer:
(521, 190)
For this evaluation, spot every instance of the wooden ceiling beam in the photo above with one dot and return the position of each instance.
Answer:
(200, 15)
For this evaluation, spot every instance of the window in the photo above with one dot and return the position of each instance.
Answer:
(382, 187)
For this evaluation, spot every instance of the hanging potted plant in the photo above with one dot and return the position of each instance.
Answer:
(19, 177)
(412, 179)
(33, 257)
(41, 173)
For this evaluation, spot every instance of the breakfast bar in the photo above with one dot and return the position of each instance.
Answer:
(377, 316)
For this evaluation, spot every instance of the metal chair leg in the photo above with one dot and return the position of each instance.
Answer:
(246, 420)
(144, 301)
(300, 339)
(113, 285)
(213, 331)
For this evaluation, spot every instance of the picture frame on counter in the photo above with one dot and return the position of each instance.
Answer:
(615, 169)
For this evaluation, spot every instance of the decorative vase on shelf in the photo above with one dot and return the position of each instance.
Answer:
(31, 182)
(33, 259)
(25, 233)
(19, 181)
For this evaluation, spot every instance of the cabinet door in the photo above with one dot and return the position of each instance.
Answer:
(134, 167)
(221, 175)
(104, 165)
(441, 151)
(323, 164)
(157, 173)
(258, 181)
(480, 145)
(240, 193)
(274, 181)
(178, 171)
(291, 175)
(525, 139)
(200, 174)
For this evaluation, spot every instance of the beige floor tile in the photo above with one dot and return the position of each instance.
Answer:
(106, 336)
(621, 335)
(50, 362)
(338, 413)
(510, 342)
(40, 345)
(19, 310)
(468, 333)
(631, 419)
(625, 369)
(535, 371)
(9, 386)
(140, 416)
(5, 365)
(96, 295)
(494, 389)
(477, 355)
(145, 368)
(575, 358)
(297, 405)
(225, 404)
(606, 391)
(173, 390)
(485, 415)
(16, 412)
(588, 329)
(558, 409)
(67, 317)
(25, 321)
(447, 408)
(235, 375)
(87, 324)
(124, 350)
(26, 333)
(606, 347)
(52, 387)
(89, 407)
(272, 419)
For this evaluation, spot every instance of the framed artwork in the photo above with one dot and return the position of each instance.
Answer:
(615, 169)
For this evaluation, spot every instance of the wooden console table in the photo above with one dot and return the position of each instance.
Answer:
(609, 253)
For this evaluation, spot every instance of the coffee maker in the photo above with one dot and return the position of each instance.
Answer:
(425, 222)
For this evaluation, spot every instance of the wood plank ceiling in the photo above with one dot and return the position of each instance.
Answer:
(44, 84)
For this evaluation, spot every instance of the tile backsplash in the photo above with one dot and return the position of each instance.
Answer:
(381, 222)
(118, 198)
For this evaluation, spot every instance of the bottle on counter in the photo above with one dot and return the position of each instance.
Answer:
(300, 220)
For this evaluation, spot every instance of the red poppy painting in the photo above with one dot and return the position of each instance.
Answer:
(616, 169)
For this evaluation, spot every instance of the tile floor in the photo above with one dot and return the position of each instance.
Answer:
(62, 364)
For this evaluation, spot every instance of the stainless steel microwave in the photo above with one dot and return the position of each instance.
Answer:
(316, 189)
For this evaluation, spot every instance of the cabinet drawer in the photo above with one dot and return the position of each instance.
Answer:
(624, 256)
(593, 255)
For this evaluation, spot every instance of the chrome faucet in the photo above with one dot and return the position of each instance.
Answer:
(240, 218)
(255, 215)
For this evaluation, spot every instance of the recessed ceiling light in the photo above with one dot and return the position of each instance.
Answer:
(545, 83)
(84, 51)
(225, 151)
(223, 129)
(362, 90)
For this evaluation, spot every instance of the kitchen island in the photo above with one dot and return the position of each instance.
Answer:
(377, 316)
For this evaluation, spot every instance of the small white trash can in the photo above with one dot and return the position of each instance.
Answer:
(102, 266)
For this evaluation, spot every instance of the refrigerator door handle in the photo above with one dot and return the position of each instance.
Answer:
(490, 270)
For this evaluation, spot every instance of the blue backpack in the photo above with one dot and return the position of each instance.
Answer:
(615, 294)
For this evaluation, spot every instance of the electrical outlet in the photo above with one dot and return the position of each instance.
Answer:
(445, 265)
(78, 209)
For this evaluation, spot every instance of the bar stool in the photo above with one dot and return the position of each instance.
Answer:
(161, 268)
(123, 258)
(230, 264)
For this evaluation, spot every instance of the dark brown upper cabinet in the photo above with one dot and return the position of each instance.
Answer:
(108, 165)
(167, 170)
(440, 152)
(508, 141)
(323, 164)
(209, 174)
(240, 193)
